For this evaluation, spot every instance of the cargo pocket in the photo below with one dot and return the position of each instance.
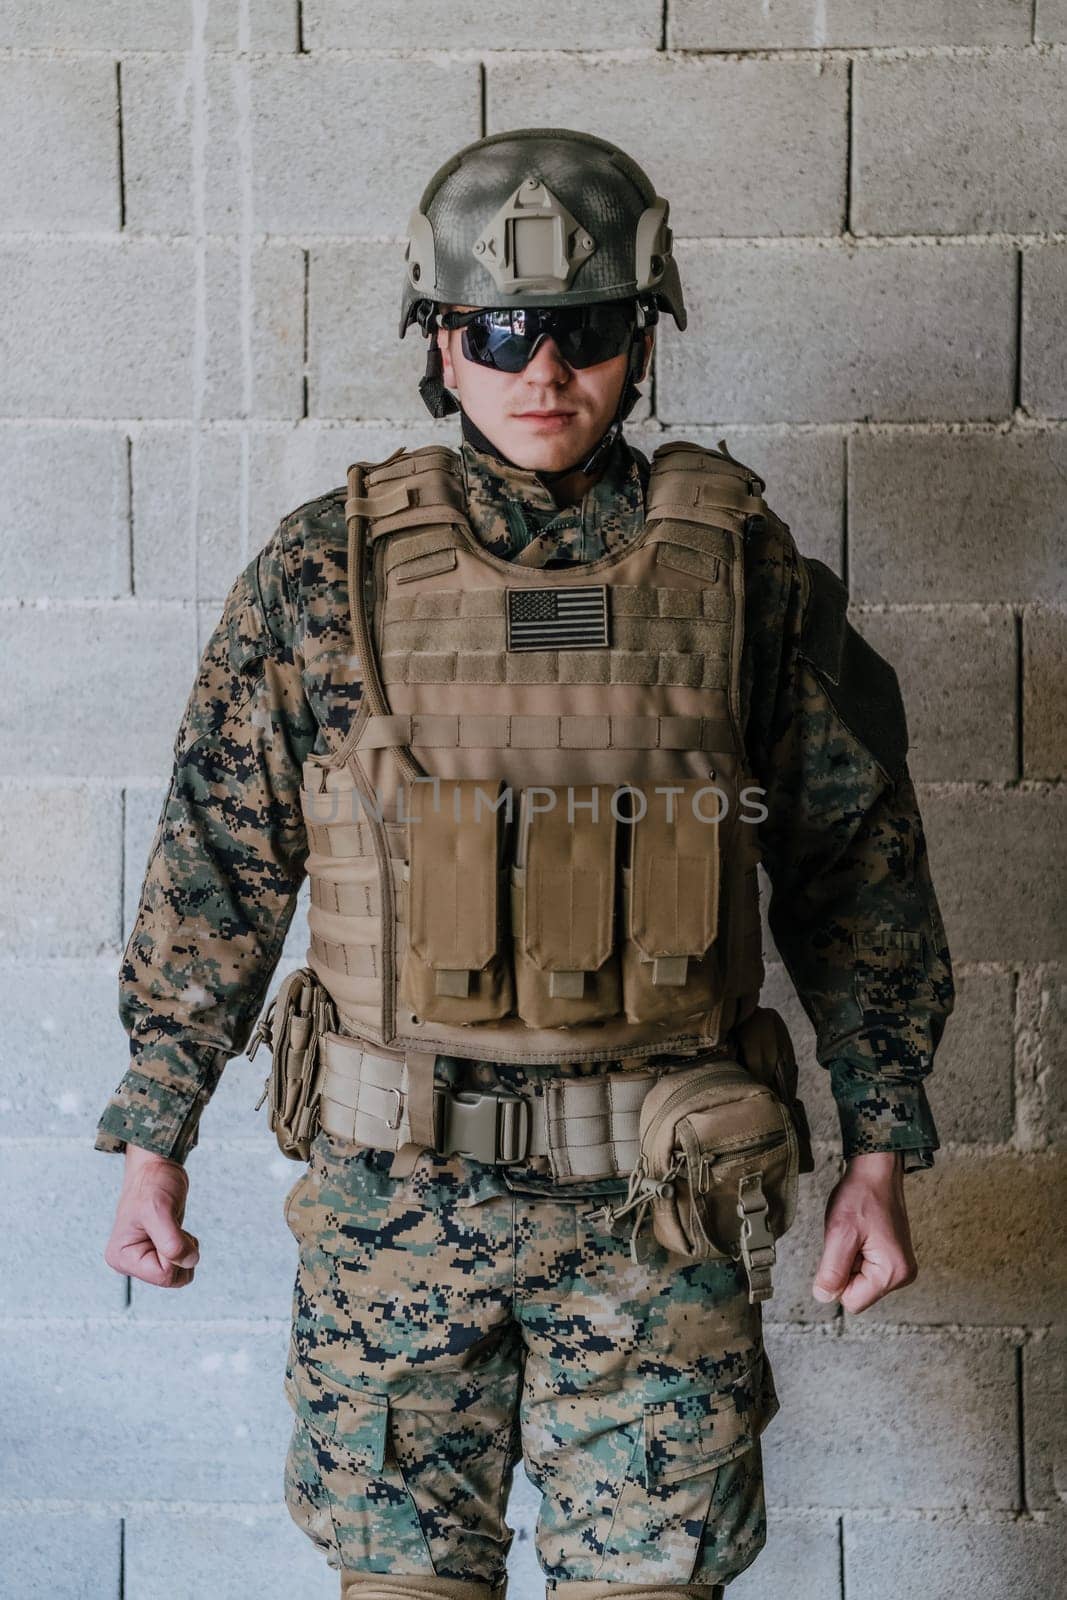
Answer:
(453, 969)
(563, 908)
(671, 897)
(692, 1506)
(704, 1428)
(347, 1430)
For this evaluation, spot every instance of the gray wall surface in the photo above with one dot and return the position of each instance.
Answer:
(200, 213)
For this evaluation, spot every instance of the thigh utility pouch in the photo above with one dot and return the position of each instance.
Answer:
(592, 935)
(716, 1173)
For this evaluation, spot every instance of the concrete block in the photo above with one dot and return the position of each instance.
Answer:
(1020, 1557)
(526, 1581)
(158, 144)
(65, 1049)
(1044, 674)
(120, 329)
(357, 369)
(39, 464)
(1044, 331)
(1044, 1405)
(801, 1557)
(59, 1555)
(114, 716)
(765, 145)
(957, 669)
(59, 129)
(129, 25)
(366, 166)
(60, 855)
(811, 24)
(983, 842)
(970, 1088)
(804, 473)
(415, 24)
(892, 1422)
(178, 555)
(56, 1267)
(271, 25)
(247, 1254)
(228, 1554)
(800, 1249)
(971, 516)
(965, 144)
(292, 465)
(984, 1229)
(152, 1410)
(1051, 22)
(274, 338)
(828, 334)
(1041, 1012)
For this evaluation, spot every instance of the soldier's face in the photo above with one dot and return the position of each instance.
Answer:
(545, 417)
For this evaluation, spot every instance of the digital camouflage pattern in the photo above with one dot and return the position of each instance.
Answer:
(853, 910)
(517, 519)
(439, 1334)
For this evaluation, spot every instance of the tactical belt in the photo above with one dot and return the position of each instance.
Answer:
(587, 1127)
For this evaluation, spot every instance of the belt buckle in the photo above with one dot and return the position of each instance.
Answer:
(486, 1126)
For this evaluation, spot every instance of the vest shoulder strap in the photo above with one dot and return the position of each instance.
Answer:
(411, 488)
(692, 483)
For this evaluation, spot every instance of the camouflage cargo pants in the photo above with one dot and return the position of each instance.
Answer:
(442, 1329)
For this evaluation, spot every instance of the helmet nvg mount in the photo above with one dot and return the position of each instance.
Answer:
(539, 217)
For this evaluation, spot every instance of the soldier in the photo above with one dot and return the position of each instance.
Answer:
(468, 1062)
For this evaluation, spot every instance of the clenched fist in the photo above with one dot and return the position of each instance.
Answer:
(147, 1239)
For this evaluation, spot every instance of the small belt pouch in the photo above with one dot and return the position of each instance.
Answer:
(671, 895)
(453, 969)
(717, 1169)
(563, 907)
(292, 1027)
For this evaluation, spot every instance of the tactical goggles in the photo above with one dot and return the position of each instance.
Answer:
(508, 339)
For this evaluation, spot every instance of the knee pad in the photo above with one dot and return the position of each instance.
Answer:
(383, 1586)
(595, 1590)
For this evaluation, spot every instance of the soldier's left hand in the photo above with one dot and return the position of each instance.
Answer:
(867, 1251)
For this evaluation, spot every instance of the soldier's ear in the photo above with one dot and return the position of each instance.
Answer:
(448, 371)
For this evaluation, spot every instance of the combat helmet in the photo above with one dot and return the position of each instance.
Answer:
(538, 217)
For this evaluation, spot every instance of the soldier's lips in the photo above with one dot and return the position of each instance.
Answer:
(550, 420)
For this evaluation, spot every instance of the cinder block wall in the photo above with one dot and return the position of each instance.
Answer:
(200, 208)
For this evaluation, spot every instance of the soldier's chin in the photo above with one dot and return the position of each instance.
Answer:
(548, 450)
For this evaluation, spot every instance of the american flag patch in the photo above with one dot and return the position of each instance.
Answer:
(573, 618)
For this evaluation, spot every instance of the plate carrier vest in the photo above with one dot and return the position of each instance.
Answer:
(520, 926)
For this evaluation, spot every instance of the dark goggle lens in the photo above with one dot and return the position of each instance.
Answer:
(584, 335)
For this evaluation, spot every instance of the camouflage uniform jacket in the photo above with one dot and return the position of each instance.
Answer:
(853, 910)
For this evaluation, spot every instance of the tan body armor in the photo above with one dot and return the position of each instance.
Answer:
(536, 931)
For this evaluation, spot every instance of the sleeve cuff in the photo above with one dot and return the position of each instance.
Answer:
(156, 1116)
(883, 1114)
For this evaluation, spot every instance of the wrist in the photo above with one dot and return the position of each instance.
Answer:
(875, 1165)
(138, 1160)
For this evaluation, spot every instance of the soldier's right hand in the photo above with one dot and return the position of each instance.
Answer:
(147, 1239)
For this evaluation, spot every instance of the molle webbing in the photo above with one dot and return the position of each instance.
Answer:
(481, 731)
(459, 692)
